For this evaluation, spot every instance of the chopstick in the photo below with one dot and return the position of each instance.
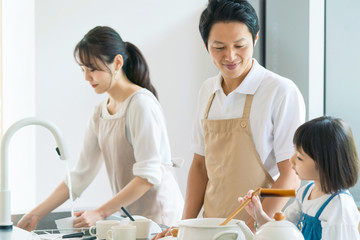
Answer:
(127, 213)
(273, 192)
(262, 192)
(74, 235)
(241, 207)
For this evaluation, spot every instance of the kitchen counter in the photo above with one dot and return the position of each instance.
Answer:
(47, 223)
(15, 234)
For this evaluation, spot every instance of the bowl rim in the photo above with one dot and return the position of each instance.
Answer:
(190, 223)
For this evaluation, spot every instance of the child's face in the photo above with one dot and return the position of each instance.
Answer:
(304, 166)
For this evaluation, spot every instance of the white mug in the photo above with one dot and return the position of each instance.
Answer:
(122, 232)
(142, 227)
(102, 227)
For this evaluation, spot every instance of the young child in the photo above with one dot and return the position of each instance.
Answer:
(325, 153)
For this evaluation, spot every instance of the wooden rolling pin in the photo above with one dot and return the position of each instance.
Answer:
(262, 192)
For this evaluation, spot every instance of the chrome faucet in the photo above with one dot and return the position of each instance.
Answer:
(5, 209)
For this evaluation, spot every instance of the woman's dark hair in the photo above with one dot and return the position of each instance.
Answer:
(330, 143)
(228, 11)
(104, 43)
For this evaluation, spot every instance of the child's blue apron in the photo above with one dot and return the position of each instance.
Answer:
(311, 226)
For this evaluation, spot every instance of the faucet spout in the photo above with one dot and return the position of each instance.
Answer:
(5, 210)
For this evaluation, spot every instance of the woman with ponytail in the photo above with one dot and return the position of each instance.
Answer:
(126, 131)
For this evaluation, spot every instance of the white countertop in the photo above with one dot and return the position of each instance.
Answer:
(15, 234)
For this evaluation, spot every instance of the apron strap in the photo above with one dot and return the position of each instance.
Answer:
(306, 190)
(327, 202)
(323, 206)
(247, 107)
(208, 106)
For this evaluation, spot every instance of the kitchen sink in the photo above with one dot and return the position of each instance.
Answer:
(48, 222)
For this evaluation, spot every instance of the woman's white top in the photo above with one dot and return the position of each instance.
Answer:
(277, 110)
(146, 133)
(339, 220)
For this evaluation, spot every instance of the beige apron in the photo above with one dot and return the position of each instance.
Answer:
(162, 203)
(232, 162)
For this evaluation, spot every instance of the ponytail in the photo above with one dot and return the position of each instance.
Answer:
(136, 68)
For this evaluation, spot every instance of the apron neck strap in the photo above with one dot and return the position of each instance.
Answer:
(208, 106)
(247, 107)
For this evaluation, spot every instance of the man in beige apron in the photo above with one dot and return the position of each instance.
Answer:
(231, 160)
(237, 151)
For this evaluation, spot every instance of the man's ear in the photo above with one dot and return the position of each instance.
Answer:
(205, 46)
(256, 38)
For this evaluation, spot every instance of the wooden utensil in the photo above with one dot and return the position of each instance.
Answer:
(241, 207)
(273, 192)
(262, 192)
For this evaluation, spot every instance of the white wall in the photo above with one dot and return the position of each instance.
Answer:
(165, 31)
(295, 47)
(342, 64)
(18, 39)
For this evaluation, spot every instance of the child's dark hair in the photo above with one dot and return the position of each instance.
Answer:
(104, 43)
(228, 11)
(330, 143)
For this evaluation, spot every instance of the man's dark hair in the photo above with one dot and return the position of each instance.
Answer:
(228, 11)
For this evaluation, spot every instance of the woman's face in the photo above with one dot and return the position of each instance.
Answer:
(231, 48)
(100, 80)
(304, 166)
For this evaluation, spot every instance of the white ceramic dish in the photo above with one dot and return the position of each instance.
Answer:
(210, 229)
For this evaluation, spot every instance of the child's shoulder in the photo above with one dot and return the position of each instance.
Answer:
(344, 201)
(342, 206)
(340, 218)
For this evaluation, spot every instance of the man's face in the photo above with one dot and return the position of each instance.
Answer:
(231, 48)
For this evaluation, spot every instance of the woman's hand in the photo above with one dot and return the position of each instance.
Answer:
(165, 233)
(57, 197)
(86, 218)
(28, 222)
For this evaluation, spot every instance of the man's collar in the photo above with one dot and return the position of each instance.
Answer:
(250, 83)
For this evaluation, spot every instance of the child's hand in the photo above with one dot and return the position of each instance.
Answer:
(254, 205)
